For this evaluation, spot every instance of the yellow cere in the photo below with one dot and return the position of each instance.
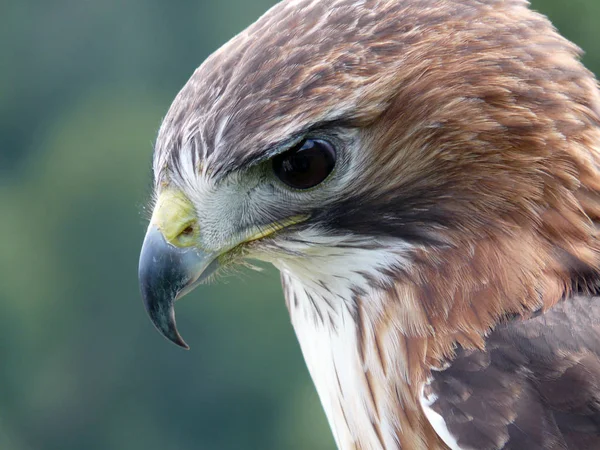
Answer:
(173, 215)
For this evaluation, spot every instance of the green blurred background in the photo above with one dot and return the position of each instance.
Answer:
(83, 87)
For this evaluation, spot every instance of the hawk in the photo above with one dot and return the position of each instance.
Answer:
(425, 174)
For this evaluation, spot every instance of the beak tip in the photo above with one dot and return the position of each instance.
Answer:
(164, 321)
(178, 340)
(169, 330)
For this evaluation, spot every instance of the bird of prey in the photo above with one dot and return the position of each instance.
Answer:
(425, 174)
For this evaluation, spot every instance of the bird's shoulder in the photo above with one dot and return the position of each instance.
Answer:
(536, 385)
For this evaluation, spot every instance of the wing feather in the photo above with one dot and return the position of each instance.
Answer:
(535, 386)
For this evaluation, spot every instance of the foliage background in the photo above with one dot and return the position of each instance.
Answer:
(83, 87)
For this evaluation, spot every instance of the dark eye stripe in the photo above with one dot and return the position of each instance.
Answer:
(305, 165)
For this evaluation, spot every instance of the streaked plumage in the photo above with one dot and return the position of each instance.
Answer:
(441, 280)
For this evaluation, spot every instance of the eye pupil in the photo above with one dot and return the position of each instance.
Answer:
(305, 165)
(299, 163)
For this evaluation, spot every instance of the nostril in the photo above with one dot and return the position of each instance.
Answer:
(187, 236)
(188, 231)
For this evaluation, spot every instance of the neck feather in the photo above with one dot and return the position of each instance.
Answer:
(373, 324)
(362, 365)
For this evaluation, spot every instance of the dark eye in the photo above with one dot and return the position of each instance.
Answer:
(305, 165)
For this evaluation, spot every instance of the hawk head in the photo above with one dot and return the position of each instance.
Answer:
(451, 145)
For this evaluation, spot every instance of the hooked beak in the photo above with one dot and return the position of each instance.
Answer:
(171, 264)
(167, 273)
